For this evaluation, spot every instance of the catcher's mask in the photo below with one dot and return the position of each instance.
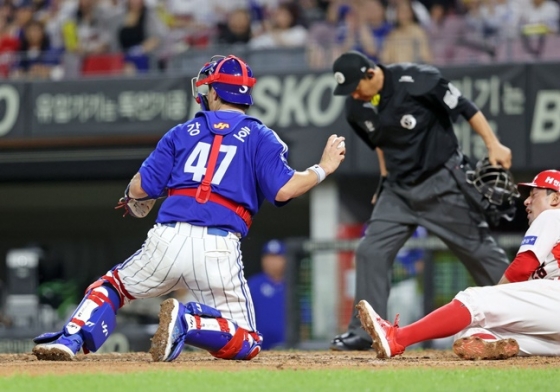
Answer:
(229, 76)
(496, 184)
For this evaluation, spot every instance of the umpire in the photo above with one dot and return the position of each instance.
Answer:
(405, 111)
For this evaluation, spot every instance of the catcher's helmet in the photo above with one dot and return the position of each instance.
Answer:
(496, 184)
(231, 78)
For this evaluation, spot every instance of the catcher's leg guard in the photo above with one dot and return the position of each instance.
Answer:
(91, 323)
(205, 329)
(223, 338)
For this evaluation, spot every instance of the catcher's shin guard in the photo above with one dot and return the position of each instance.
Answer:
(95, 318)
(223, 338)
(201, 326)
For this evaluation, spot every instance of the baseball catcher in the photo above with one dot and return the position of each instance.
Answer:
(215, 170)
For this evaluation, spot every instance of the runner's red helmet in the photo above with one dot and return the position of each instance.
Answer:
(548, 179)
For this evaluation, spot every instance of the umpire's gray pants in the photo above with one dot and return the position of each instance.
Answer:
(439, 206)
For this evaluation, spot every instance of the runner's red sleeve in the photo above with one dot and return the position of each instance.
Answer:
(522, 267)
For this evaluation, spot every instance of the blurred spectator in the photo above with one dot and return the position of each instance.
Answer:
(540, 17)
(261, 12)
(139, 34)
(438, 15)
(336, 17)
(258, 11)
(420, 11)
(499, 17)
(282, 30)
(366, 28)
(268, 294)
(86, 31)
(482, 32)
(53, 17)
(116, 7)
(408, 41)
(237, 29)
(191, 23)
(311, 11)
(7, 11)
(444, 31)
(9, 44)
(36, 57)
(22, 16)
(325, 38)
(39, 6)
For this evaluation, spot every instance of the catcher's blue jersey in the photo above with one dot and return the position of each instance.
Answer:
(251, 166)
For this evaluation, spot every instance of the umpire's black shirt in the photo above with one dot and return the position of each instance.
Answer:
(411, 120)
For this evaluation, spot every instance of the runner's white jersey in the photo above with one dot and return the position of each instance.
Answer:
(543, 239)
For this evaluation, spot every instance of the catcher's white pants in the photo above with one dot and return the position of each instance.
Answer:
(188, 257)
(528, 312)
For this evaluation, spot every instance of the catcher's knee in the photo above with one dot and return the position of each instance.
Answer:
(223, 338)
(111, 280)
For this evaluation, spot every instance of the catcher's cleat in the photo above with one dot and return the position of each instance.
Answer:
(169, 339)
(350, 342)
(474, 348)
(381, 331)
(62, 349)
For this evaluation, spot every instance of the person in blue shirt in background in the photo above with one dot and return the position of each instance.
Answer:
(268, 291)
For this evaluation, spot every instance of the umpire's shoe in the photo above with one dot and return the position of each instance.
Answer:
(349, 341)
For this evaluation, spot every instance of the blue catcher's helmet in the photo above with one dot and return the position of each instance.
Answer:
(231, 78)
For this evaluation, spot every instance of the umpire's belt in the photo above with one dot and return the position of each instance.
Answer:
(238, 209)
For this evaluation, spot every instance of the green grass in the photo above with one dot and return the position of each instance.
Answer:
(513, 379)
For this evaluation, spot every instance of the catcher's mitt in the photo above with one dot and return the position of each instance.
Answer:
(137, 208)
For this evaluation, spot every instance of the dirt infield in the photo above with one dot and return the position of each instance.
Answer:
(12, 364)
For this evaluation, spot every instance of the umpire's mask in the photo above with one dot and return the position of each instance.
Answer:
(496, 184)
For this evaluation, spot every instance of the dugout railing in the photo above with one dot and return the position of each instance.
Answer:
(434, 280)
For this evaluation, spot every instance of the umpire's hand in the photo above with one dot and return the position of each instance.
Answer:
(499, 155)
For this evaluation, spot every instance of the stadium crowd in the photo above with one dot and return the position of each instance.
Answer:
(55, 39)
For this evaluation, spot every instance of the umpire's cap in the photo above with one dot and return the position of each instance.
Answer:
(348, 70)
(548, 179)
